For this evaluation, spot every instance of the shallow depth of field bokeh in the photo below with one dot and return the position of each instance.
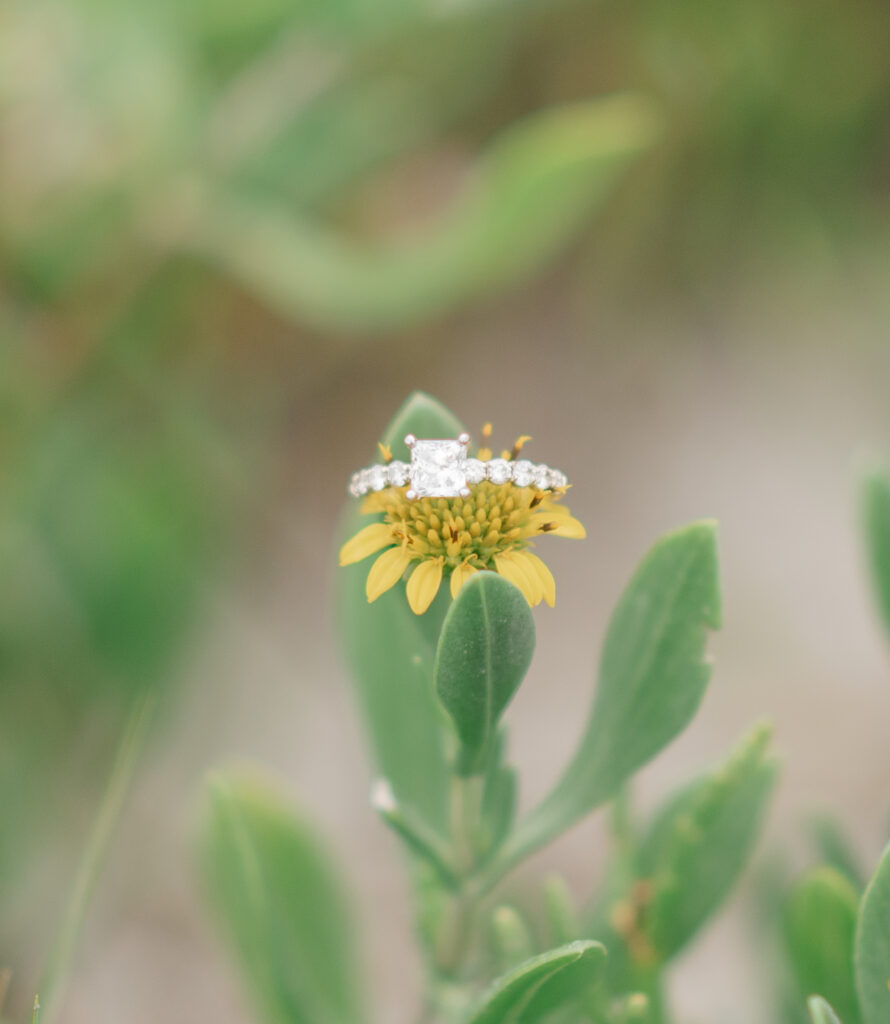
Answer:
(653, 235)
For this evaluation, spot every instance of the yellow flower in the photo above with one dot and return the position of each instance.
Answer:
(438, 538)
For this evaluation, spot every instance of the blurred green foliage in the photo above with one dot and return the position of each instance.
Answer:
(177, 178)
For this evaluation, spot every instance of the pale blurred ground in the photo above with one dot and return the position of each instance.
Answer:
(748, 409)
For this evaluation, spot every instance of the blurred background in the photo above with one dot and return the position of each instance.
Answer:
(233, 237)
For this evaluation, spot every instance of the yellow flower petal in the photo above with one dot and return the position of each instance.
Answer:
(423, 585)
(569, 526)
(510, 570)
(558, 523)
(368, 540)
(544, 575)
(376, 501)
(522, 559)
(460, 575)
(386, 572)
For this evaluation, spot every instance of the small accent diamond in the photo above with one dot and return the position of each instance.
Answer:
(523, 473)
(398, 473)
(475, 471)
(542, 478)
(377, 478)
(498, 471)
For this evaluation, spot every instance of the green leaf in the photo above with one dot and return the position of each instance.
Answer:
(876, 523)
(821, 1012)
(390, 651)
(699, 845)
(820, 929)
(415, 834)
(541, 985)
(562, 916)
(484, 652)
(653, 674)
(276, 894)
(528, 196)
(833, 847)
(872, 958)
(510, 936)
(422, 416)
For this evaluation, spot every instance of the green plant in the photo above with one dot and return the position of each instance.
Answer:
(433, 689)
(835, 927)
(176, 178)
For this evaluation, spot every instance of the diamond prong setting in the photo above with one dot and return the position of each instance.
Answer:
(438, 468)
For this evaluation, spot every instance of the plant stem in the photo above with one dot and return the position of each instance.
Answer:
(450, 990)
(62, 956)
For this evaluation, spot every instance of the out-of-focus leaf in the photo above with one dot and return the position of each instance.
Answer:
(653, 674)
(274, 889)
(699, 845)
(541, 985)
(872, 957)
(876, 521)
(485, 649)
(526, 199)
(390, 652)
(371, 114)
(821, 1012)
(511, 936)
(415, 833)
(835, 849)
(562, 917)
(820, 929)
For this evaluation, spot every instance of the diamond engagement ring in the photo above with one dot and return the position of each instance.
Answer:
(441, 469)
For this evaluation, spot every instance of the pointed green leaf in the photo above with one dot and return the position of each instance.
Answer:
(390, 651)
(699, 845)
(484, 652)
(872, 957)
(820, 929)
(541, 985)
(653, 674)
(821, 1012)
(275, 892)
(876, 522)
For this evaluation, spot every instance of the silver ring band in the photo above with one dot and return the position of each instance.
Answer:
(440, 469)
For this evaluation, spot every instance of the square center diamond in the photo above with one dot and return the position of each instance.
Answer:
(438, 468)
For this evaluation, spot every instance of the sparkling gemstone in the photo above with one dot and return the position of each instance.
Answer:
(523, 472)
(475, 471)
(498, 471)
(377, 478)
(543, 479)
(559, 479)
(438, 468)
(355, 485)
(397, 473)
